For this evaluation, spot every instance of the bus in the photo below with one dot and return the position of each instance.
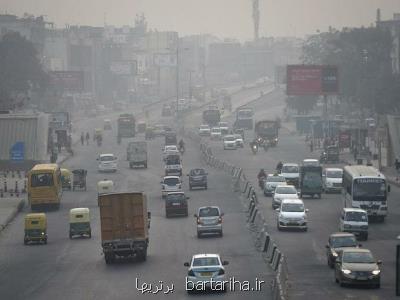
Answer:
(44, 186)
(244, 118)
(366, 188)
(126, 126)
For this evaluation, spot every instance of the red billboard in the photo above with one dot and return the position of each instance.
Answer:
(311, 80)
(71, 81)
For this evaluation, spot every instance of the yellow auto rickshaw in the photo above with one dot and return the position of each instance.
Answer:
(79, 222)
(105, 186)
(35, 228)
(66, 179)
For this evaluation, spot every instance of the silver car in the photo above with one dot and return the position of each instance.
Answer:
(209, 220)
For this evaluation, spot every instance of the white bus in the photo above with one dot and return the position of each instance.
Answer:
(366, 188)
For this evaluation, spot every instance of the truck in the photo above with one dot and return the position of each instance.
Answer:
(310, 181)
(126, 126)
(212, 116)
(25, 140)
(136, 154)
(267, 130)
(170, 138)
(125, 223)
(244, 118)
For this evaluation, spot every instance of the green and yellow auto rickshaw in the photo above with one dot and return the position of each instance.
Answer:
(35, 228)
(79, 222)
(66, 179)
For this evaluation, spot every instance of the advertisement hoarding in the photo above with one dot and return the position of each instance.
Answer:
(71, 81)
(312, 80)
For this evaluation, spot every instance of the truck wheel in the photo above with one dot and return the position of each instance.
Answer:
(70, 236)
(145, 165)
(45, 241)
(142, 256)
(90, 234)
(365, 236)
(25, 242)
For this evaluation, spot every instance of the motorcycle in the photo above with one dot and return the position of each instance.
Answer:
(254, 148)
(181, 150)
(99, 142)
(262, 143)
(261, 182)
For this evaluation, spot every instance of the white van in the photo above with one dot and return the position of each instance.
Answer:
(354, 220)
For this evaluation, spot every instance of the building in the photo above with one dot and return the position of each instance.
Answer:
(394, 27)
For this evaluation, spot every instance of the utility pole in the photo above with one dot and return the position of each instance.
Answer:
(256, 18)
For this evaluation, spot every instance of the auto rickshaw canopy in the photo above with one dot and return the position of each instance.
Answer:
(36, 221)
(79, 215)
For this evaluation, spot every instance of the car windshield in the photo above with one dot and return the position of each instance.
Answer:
(173, 160)
(275, 179)
(238, 137)
(334, 174)
(175, 197)
(343, 241)
(216, 130)
(285, 190)
(290, 169)
(356, 216)
(209, 212)
(358, 257)
(107, 158)
(292, 207)
(197, 172)
(229, 138)
(171, 181)
(223, 124)
(43, 179)
(170, 148)
(205, 261)
(310, 162)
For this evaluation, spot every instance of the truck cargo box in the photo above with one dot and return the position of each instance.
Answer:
(124, 224)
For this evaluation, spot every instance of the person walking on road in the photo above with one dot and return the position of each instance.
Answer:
(87, 138)
(82, 138)
(311, 146)
(397, 165)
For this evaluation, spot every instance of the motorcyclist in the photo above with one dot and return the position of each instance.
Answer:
(279, 166)
(261, 176)
(181, 145)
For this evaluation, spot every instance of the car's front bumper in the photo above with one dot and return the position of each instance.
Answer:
(367, 279)
(302, 224)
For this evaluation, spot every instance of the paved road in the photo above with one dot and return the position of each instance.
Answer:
(310, 276)
(75, 269)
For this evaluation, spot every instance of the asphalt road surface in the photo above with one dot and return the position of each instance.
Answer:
(75, 269)
(310, 277)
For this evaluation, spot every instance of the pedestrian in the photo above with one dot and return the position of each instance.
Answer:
(82, 138)
(311, 146)
(355, 153)
(397, 164)
(59, 147)
(87, 138)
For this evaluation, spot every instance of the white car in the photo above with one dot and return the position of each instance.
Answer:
(204, 130)
(332, 180)
(283, 192)
(224, 127)
(354, 220)
(107, 163)
(170, 184)
(170, 149)
(291, 172)
(292, 214)
(239, 140)
(229, 142)
(206, 272)
(216, 133)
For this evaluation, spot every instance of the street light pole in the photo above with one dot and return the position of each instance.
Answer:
(177, 76)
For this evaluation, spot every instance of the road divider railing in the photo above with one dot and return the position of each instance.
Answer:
(255, 219)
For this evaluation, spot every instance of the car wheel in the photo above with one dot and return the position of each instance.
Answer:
(70, 236)
(198, 235)
(330, 265)
(378, 285)
(365, 236)
(319, 196)
(205, 187)
(305, 229)
(25, 242)
(336, 279)
(279, 227)
(221, 234)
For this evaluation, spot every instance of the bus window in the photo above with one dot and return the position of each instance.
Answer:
(43, 179)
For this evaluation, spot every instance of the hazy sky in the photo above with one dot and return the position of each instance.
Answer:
(225, 18)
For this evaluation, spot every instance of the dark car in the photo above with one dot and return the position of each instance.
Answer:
(176, 204)
(357, 266)
(197, 178)
(336, 243)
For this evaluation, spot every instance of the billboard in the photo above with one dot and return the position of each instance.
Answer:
(71, 81)
(312, 80)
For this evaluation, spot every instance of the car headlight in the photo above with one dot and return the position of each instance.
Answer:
(345, 271)
(334, 254)
(376, 272)
(42, 233)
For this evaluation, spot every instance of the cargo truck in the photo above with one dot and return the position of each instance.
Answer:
(137, 154)
(125, 224)
(310, 181)
(212, 116)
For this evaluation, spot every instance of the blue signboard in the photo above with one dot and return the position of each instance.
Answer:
(18, 151)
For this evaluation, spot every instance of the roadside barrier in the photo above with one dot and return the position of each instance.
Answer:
(255, 218)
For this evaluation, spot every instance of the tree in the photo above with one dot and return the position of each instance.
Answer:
(363, 59)
(20, 69)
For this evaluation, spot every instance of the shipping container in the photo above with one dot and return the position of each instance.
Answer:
(24, 139)
(124, 225)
